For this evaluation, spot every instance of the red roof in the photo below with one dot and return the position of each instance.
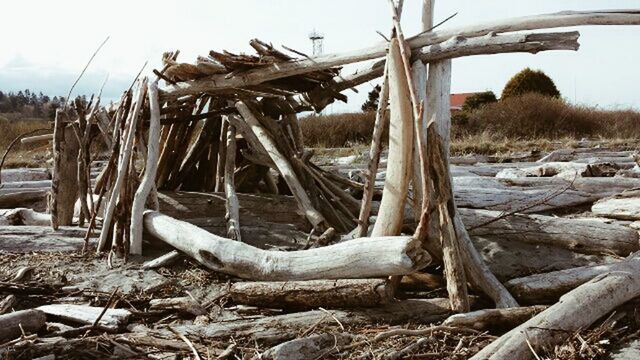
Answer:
(457, 100)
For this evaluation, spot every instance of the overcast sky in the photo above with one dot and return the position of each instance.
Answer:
(45, 44)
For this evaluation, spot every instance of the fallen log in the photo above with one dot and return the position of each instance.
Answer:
(13, 324)
(288, 326)
(111, 319)
(37, 138)
(494, 319)
(360, 258)
(311, 347)
(7, 303)
(587, 236)
(625, 206)
(548, 287)
(184, 304)
(575, 311)
(31, 198)
(314, 293)
(161, 261)
(23, 216)
(30, 184)
(19, 175)
(26, 239)
(524, 201)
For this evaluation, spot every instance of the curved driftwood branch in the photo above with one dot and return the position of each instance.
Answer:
(360, 258)
(149, 178)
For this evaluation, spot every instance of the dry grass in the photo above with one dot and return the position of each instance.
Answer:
(340, 130)
(28, 155)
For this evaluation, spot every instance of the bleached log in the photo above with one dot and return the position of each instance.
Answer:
(454, 266)
(161, 261)
(492, 319)
(150, 169)
(112, 319)
(340, 294)
(18, 175)
(23, 216)
(524, 201)
(284, 166)
(122, 166)
(36, 184)
(547, 287)
(24, 198)
(37, 138)
(280, 70)
(64, 185)
(12, 324)
(389, 220)
(184, 304)
(311, 347)
(288, 326)
(588, 236)
(26, 239)
(625, 206)
(231, 203)
(575, 311)
(7, 303)
(383, 255)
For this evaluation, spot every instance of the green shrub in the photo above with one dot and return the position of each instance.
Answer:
(530, 81)
(478, 100)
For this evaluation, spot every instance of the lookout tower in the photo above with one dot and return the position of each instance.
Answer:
(317, 40)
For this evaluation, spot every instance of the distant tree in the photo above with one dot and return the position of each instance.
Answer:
(478, 100)
(530, 81)
(372, 102)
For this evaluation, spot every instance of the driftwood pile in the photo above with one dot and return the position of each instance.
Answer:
(214, 165)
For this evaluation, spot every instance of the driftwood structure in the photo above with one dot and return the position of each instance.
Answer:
(209, 159)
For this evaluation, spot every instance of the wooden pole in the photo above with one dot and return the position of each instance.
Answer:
(233, 207)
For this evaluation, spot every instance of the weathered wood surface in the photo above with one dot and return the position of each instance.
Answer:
(575, 311)
(185, 304)
(24, 239)
(20, 175)
(164, 260)
(112, 319)
(288, 326)
(12, 324)
(64, 184)
(311, 347)
(360, 258)
(30, 198)
(28, 184)
(525, 201)
(231, 204)
(624, 206)
(23, 216)
(348, 293)
(587, 236)
(548, 287)
(280, 70)
(494, 319)
(389, 220)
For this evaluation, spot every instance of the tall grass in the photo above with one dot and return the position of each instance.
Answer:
(11, 129)
(339, 130)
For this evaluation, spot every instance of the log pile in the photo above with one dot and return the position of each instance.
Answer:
(211, 170)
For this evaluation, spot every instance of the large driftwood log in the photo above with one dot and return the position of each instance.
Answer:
(64, 185)
(31, 198)
(314, 293)
(494, 319)
(23, 216)
(26, 239)
(547, 287)
(358, 258)
(390, 215)
(524, 201)
(111, 319)
(149, 178)
(311, 347)
(575, 311)
(280, 70)
(588, 236)
(625, 206)
(19, 175)
(12, 324)
(284, 166)
(288, 326)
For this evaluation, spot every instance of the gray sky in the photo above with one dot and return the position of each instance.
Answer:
(45, 44)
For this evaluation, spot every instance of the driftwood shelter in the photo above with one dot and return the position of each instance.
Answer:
(208, 157)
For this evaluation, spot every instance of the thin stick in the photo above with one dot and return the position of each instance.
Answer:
(85, 67)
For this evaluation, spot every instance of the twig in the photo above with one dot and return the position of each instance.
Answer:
(106, 307)
(187, 341)
(434, 26)
(334, 317)
(85, 67)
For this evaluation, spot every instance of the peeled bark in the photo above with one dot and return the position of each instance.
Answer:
(360, 258)
(314, 293)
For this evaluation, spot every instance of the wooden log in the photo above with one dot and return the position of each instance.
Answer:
(494, 319)
(588, 236)
(184, 304)
(19, 175)
(625, 206)
(384, 255)
(23, 216)
(112, 319)
(64, 186)
(36, 184)
(36, 139)
(280, 70)
(314, 293)
(25, 198)
(453, 263)
(522, 201)
(311, 347)
(288, 326)
(231, 203)
(27, 239)
(575, 311)
(122, 166)
(284, 166)
(13, 324)
(222, 156)
(150, 170)
(389, 220)
(161, 261)
(548, 287)
(7, 303)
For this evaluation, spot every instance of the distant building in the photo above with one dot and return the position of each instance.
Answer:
(457, 100)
